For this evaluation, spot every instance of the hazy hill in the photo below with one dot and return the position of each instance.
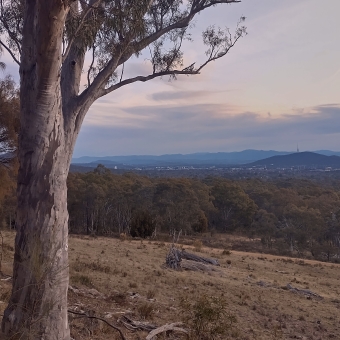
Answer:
(307, 159)
(194, 159)
(219, 158)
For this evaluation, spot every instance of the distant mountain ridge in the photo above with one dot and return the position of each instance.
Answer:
(218, 158)
(303, 159)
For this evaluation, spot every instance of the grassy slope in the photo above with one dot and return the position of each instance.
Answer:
(119, 268)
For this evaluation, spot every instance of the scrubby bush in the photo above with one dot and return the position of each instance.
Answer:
(207, 317)
(198, 245)
(201, 226)
(145, 310)
(142, 224)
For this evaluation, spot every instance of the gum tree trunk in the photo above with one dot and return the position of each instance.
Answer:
(38, 305)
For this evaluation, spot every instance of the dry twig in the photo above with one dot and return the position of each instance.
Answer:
(98, 318)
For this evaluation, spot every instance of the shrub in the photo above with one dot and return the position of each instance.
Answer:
(197, 245)
(118, 297)
(142, 224)
(150, 294)
(122, 236)
(145, 310)
(207, 317)
(226, 252)
(201, 226)
(133, 285)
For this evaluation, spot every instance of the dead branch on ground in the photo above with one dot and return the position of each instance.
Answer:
(84, 315)
(165, 328)
(305, 292)
(91, 292)
(136, 325)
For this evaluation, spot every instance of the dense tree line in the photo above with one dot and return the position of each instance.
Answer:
(301, 213)
(103, 203)
(296, 216)
(291, 215)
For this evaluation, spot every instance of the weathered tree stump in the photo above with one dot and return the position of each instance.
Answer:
(174, 258)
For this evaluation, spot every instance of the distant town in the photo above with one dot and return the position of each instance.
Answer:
(244, 164)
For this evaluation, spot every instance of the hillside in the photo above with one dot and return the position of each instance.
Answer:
(207, 159)
(300, 159)
(219, 158)
(112, 278)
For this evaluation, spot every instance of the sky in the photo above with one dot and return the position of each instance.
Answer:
(279, 87)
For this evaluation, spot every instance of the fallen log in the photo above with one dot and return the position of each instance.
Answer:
(192, 257)
(91, 292)
(195, 266)
(193, 262)
(305, 292)
(165, 328)
(136, 325)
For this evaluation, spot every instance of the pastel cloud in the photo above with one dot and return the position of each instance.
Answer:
(192, 128)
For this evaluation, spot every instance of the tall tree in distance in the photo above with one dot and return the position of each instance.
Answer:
(49, 40)
(9, 127)
(9, 113)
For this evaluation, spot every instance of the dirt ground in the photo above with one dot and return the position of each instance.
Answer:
(112, 277)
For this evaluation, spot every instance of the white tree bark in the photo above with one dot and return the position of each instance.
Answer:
(38, 305)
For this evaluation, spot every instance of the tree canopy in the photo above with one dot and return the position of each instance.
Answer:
(112, 32)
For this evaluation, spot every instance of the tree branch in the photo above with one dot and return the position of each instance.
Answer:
(121, 75)
(10, 33)
(82, 20)
(127, 48)
(139, 46)
(146, 78)
(219, 55)
(91, 65)
(153, 37)
(214, 3)
(124, 51)
(186, 71)
(10, 52)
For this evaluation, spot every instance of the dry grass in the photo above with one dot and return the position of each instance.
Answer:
(131, 276)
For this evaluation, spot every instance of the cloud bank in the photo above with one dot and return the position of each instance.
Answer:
(159, 129)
